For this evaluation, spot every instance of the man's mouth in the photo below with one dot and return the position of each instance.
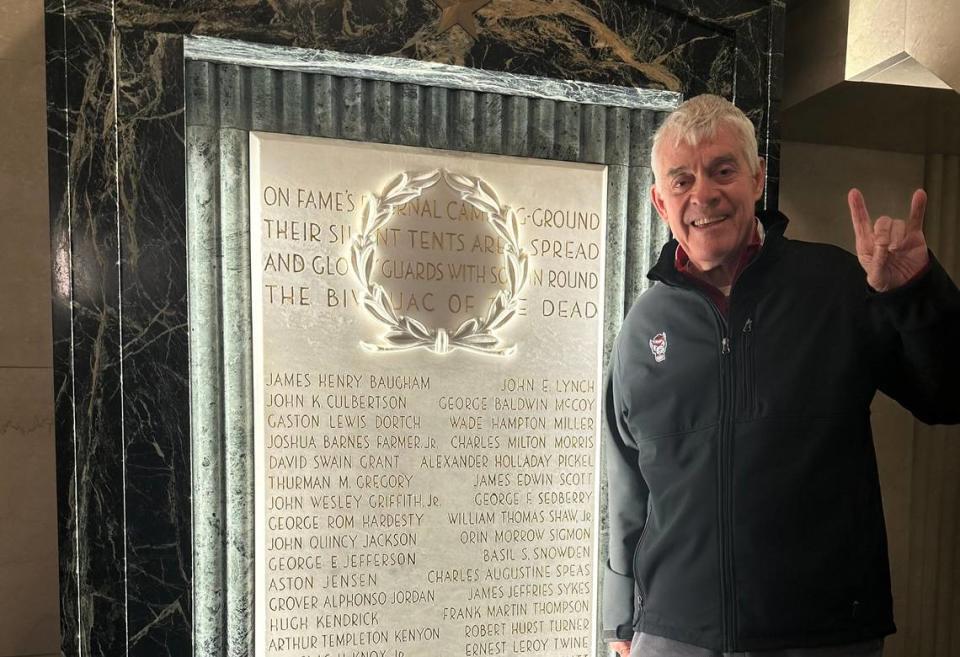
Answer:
(706, 221)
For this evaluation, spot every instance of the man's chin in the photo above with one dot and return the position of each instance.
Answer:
(706, 262)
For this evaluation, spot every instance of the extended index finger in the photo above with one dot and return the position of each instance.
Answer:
(858, 214)
(918, 207)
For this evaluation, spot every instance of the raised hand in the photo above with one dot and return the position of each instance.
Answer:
(891, 251)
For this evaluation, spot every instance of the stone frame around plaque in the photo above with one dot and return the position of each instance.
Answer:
(232, 89)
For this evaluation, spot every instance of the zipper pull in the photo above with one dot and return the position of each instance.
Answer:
(725, 346)
(748, 326)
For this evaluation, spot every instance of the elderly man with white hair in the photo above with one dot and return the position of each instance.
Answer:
(745, 509)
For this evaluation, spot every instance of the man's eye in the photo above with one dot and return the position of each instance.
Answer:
(680, 183)
(726, 172)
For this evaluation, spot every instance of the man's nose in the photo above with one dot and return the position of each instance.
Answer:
(704, 192)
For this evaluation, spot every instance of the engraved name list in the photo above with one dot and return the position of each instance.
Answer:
(427, 340)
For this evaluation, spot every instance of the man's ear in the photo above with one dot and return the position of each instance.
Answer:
(658, 203)
(758, 179)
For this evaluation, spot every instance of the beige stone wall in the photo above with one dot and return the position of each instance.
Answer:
(28, 537)
(813, 193)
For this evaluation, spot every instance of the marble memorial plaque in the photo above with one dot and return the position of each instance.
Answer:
(427, 349)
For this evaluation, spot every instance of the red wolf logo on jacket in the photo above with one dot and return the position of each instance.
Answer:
(658, 345)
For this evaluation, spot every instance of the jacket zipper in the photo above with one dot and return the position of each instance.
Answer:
(728, 597)
(728, 600)
(728, 570)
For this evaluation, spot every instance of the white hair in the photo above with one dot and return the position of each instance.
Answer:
(699, 118)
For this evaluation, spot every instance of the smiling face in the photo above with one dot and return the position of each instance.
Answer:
(706, 194)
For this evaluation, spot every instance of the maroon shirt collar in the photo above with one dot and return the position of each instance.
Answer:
(681, 262)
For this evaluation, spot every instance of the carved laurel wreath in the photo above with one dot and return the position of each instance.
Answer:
(475, 334)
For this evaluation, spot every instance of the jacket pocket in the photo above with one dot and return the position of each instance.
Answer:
(637, 577)
(746, 372)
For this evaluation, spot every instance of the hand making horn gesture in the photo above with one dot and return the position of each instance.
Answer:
(891, 251)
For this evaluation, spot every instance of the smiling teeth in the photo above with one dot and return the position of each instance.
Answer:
(706, 222)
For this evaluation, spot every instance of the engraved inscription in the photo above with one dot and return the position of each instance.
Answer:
(412, 502)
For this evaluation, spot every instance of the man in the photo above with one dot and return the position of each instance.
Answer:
(745, 511)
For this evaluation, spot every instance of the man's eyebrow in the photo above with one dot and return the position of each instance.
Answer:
(727, 158)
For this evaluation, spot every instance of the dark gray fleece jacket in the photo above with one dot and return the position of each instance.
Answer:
(745, 510)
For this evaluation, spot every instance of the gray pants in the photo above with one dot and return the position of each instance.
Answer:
(648, 645)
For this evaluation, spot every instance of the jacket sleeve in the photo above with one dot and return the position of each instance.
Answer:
(627, 495)
(920, 361)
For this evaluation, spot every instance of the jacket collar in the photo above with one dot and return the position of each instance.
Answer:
(773, 222)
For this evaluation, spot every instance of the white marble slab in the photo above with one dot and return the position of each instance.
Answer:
(418, 490)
